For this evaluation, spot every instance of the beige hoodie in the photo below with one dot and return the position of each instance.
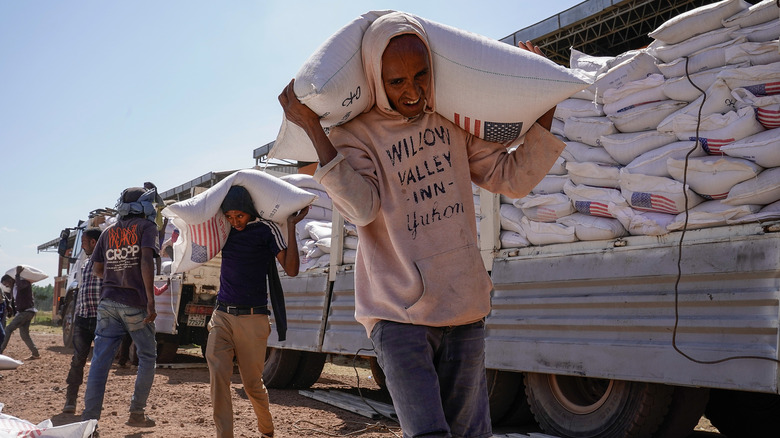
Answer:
(406, 184)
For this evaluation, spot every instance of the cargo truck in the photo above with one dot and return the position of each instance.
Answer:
(597, 338)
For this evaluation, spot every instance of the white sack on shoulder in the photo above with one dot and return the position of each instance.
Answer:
(697, 21)
(203, 227)
(479, 81)
(29, 273)
(763, 148)
(713, 176)
(303, 181)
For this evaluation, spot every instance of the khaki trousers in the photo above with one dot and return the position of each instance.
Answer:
(245, 337)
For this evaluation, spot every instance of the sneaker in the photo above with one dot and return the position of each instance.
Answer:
(34, 356)
(70, 408)
(138, 419)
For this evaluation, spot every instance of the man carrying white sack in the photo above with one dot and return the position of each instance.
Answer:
(402, 173)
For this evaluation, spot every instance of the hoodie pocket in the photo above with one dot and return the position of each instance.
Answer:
(456, 288)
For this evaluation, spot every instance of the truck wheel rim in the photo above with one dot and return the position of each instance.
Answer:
(580, 395)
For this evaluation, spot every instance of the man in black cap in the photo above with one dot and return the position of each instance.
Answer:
(124, 259)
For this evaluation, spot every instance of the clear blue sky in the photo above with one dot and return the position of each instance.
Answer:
(96, 96)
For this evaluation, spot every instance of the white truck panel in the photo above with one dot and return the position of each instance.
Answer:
(593, 309)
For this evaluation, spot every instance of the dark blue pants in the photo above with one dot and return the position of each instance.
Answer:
(436, 377)
(83, 335)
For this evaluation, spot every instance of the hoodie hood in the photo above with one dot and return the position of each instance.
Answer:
(375, 40)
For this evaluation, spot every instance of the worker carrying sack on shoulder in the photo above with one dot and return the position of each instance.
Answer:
(204, 228)
(491, 89)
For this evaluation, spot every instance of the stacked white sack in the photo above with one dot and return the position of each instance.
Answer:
(491, 89)
(628, 135)
(315, 232)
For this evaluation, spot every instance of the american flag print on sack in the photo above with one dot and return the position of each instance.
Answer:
(490, 131)
(712, 145)
(767, 89)
(545, 214)
(592, 208)
(206, 238)
(769, 116)
(652, 202)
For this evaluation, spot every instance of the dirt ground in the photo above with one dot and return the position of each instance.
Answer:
(179, 401)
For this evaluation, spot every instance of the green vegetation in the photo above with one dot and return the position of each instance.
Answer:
(43, 297)
(43, 323)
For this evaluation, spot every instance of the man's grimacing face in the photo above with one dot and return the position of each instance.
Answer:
(406, 74)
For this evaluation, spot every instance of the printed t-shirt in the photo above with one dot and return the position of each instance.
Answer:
(119, 249)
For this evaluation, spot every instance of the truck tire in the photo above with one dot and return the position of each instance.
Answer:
(167, 346)
(687, 407)
(309, 369)
(502, 389)
(580, 407)
(377, 373)
(280, 367)
(68, 321)
(739, 414)
(519, 413)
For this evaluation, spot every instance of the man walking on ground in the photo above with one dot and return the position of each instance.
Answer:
(85, 320)
(124, 258)
(22, 297)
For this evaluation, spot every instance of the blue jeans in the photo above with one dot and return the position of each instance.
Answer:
(22, 322)
(113, 321)
(436, 377)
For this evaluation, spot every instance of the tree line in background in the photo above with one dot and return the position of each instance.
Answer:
(43, 297)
